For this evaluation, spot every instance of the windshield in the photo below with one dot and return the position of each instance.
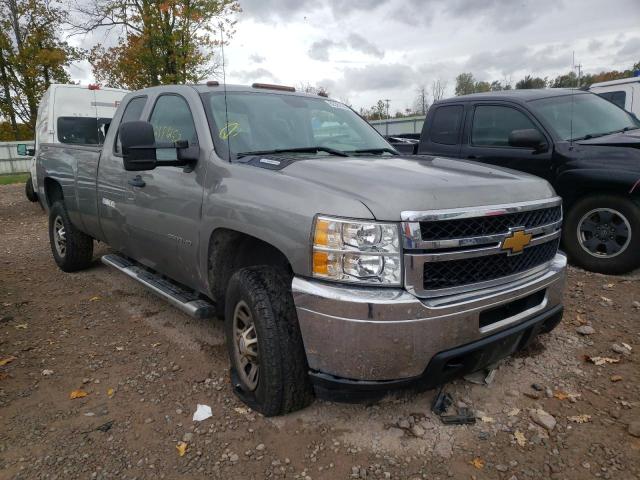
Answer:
(583, 116)
(262, 122)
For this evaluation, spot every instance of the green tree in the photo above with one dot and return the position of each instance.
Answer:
(161, 41)
(465, 84)
(531, 82)
(32, 56)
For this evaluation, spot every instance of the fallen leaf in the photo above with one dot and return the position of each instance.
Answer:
(520, 438)
(94, 299)
(119, 349)
(487, 419)
(560, 395)
(78, 394)
(580, 319)
(110, 392)
(616, 378)
(6, 360)
(514, 412)
(584, 418)
(626, 345)
(154, 345)
(477, 463)
(241, 410)
(21, 326)
(182, 448)
(602, 360)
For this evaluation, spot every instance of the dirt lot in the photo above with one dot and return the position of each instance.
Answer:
(145, 367)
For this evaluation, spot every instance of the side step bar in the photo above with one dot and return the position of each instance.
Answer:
(184, 300)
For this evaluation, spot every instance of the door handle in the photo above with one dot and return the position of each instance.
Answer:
(137, 181)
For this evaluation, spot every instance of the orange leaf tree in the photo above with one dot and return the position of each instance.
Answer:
(159, 41)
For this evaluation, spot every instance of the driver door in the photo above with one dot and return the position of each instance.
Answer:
(487, 140)
(165, 203)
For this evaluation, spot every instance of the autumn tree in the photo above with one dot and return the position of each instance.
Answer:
(159, 41)
(32, 56)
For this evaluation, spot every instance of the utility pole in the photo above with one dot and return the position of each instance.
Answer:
(387, 102)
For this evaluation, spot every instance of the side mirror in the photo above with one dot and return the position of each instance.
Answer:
(138, 146)
(21, 149)
(527, 138)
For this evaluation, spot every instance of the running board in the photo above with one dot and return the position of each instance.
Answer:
(184, 300)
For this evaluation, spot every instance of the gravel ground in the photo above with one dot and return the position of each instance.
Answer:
(550, 412)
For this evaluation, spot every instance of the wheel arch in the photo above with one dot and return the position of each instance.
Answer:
(230, 250)
(577, 184)
(52, 191)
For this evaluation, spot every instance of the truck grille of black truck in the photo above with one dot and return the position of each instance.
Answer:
(438, 275)
(488, 225)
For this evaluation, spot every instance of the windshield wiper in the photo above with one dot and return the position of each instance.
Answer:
(375, 150)
(331, 151)
(596, 135)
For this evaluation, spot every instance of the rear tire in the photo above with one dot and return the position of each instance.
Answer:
(268, 361)
(72, 249)
(602, 234)
(32, 196)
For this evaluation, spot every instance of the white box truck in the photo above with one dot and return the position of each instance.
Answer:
(624, 92)
(74, 114)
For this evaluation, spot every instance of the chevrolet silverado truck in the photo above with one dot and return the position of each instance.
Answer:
(340, 267)
(587, 147)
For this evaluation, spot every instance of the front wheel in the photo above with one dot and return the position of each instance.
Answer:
(72, 249)
(602, 234)
(268, 361)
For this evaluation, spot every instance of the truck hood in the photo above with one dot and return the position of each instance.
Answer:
(623, 139)
(391, 185)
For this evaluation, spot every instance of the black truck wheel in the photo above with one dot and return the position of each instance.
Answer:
(72, 249)
(602, 234)
(32, 196)
(268, 361)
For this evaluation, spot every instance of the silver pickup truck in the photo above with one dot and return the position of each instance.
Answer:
(340, 267)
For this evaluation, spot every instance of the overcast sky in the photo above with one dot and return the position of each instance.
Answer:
(365, 50)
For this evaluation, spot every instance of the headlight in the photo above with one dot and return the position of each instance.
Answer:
(355, 251)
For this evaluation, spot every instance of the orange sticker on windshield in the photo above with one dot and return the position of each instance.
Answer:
(231, 130)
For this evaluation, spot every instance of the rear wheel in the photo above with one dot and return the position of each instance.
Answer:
(602, 234)
(32, 196)
(72, 249)
(268, 361)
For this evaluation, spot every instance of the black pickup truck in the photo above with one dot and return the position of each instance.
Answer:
(585, 146)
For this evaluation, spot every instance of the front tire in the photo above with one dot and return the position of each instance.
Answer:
(602, 234)
(72, 249)
(32, 196)
(268, 361)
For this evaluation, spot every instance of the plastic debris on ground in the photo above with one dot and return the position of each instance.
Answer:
(202, 413)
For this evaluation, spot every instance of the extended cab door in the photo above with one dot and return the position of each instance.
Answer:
(165, 209)
(442, 130)
(486, 139)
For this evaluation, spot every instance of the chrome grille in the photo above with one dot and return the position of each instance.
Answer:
(438, 275)
(459, 250)
(489, 225)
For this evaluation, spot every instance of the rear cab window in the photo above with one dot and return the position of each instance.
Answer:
(82, 130)
(446, 125)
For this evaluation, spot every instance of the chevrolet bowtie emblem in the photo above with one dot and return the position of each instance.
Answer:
(516, 241)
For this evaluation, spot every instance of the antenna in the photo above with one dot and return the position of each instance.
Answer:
(224, 86)
(573, 61)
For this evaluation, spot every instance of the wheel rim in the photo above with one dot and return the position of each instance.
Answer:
(59, 236)
(604, 233)
(246, 345)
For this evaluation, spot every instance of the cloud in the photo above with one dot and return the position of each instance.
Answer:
(518, 59)
(320, 49)
(379, 77)
(250, 76)
(267, 11)
(361, 44)
(629, 50)
(256, 58)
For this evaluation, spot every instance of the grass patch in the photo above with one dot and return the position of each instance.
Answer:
(9, 178)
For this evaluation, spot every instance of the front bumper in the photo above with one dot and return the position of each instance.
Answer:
(364, 334)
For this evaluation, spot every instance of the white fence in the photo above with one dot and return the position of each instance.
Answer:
(10, 162)
(399, 126)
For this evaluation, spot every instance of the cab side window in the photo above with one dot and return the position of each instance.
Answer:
(132, 112)
(619, 97)
(492, 125)
(172, 120)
